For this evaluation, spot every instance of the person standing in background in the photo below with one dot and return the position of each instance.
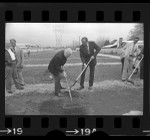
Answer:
(20, 62)
(10, 69)
(130, 51)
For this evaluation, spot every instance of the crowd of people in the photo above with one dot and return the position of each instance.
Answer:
(131, 55)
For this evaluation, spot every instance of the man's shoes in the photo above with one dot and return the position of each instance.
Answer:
(123, 80)
(9, 92)
(20, 88)
(62, 87)
(80, 88)
(58, 94)
(90, 88)
(23, 84)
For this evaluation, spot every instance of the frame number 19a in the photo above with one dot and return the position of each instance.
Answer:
(87, 131)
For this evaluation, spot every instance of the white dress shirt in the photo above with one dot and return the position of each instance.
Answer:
(88, 48)
(12, 55)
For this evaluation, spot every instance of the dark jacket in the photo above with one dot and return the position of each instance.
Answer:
(57, 61)
(94, 50)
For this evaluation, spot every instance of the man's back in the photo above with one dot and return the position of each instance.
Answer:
(57, 61)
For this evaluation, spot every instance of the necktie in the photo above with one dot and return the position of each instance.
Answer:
(87, 47)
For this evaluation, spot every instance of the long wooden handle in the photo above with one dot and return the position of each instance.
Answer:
(81, 72)
(69, 89)
(84, 69)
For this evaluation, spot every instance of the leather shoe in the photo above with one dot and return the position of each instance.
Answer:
(20, 88)
(80, 88)
(9, 92)
(58, 94)
(62, 88)
(90, 88)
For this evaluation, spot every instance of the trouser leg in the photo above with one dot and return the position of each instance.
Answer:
(82, 77)
(57, 84)
(92, 71)
(141, 70)
(20, 77)
(8, 77)
(122, 61)
(130, 67)
(125, 69)
(15, 77)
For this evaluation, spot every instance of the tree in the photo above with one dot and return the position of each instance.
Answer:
(137, 31)
(102, 42)
(107, 42)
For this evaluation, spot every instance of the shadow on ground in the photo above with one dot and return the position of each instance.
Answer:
(63, 106)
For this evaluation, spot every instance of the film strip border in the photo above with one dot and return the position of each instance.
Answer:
(78, 125)
(65, 16)
(74, 12)
(78, 13)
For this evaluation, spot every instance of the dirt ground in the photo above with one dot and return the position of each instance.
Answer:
(107, 98)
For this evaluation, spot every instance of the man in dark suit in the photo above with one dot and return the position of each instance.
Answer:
(56, 68)
(88, 50)
(11, 69)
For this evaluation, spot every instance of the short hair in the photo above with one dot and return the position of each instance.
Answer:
(12, 40)
(137, 38)
(7, 44)
(84, 38)
(67, 52)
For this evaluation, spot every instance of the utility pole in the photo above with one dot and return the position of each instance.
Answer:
(59, 30)
(73, 44)
(79, 40)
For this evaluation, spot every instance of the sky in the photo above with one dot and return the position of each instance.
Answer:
(44, 34)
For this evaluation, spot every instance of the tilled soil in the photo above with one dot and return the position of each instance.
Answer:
(107, 98)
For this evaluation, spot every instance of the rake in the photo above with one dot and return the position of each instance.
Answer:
(71, 104)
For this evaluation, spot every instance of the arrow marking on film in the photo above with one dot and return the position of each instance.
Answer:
(75, 131)
(146, 131)
(6, 131)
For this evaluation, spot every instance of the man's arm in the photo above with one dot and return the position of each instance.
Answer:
(97, 48)
(81, 56)
(7, 60)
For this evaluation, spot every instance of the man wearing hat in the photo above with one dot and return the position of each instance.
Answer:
(56, 68)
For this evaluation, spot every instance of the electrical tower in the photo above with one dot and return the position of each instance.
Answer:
(59, 30)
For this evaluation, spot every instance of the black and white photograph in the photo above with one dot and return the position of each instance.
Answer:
(74, 68)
